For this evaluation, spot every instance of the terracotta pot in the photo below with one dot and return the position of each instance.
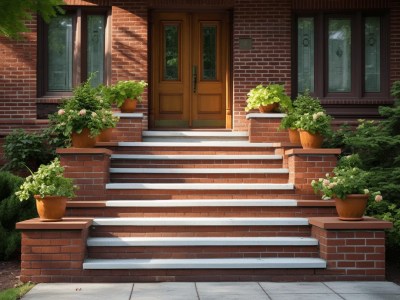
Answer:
(294, 136)
(268, 108)
(50, 208)
(309, 140)
(129, 106)
(352, 208)
(105, 135)
(83, 140)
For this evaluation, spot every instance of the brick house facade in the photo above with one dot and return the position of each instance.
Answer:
(269, 27)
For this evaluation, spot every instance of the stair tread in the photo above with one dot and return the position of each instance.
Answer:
(201, 203)
(206, 263)
(196, 157)
(201, 186)
(199, 170)
(201, 241)
(194, 221)
(199, 144)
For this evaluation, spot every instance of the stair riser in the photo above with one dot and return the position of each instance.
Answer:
(200, 231)
(249, 212)
(196, 139)
(199, 178)
(191, 252)
(203, 164)
(195, 149)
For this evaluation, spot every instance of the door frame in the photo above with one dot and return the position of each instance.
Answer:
(229, 64)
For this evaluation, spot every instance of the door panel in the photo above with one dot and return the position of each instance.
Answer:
(190, 70)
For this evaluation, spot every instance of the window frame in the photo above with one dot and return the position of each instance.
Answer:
(79, 48)
(321, 23)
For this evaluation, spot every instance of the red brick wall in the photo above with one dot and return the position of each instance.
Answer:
(268, 23)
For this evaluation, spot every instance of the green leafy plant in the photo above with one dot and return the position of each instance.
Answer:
(317, 123)
(270, 94)
(86, 109)
(303, 104)
(16, 292)
(48, 180)
(12, 211)
(123, 90)
(23, 149)
(348, 178)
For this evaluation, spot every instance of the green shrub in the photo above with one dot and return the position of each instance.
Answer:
(24, 149)
(12, 211)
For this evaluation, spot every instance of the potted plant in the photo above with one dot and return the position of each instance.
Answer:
(82, 117)
(109, 122)
(313, 128)
(126, 94)
(349, 187)
(303, 104)
(50, 189)
(268, 98)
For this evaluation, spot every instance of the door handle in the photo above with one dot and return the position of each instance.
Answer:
(194, 79)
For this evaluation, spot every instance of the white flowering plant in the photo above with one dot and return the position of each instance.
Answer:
(347, 178)
(86, 109)
(316, 123)
(48, 180)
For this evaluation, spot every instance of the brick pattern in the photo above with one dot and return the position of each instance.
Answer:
(304, 168)
(90, 170)
(352, 254)
(128, 130)
(265, 130)
(52, 255)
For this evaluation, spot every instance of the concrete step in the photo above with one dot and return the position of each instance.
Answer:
(193, 136)
(200, 241)
(196, 157)
(220, 263)
(200, 186)
(201, 144)
(200, 221)
(172, 171)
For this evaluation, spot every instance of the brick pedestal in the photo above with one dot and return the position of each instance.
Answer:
(89, 167)
(306, 165)
(129, 128)
(263, 128)
(53, 251)
(353, 250)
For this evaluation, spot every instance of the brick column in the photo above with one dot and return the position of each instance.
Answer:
(305, 165)
(129, 128)
(89, 167)
(53, 251)
(263, 128)
(353, 250)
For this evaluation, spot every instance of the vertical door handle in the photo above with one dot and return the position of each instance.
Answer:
(194, 79)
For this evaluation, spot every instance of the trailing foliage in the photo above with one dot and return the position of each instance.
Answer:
(12, 211)
(24, 149)
(15, 13)
(378, 145)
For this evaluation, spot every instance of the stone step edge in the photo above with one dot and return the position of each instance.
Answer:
(196, 157)
(199, 186)
(198, 171)
(203, 203)
(206, 263)
(184, 133)
(217, 144)
(194, 221)
(200, 241)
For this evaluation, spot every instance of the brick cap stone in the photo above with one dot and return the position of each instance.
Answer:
(129, 115)
(333, 223)
(265, 116)
(319, 151)
(73, 151)
(67, 223)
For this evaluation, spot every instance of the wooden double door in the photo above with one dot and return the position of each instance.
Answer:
(190, 70)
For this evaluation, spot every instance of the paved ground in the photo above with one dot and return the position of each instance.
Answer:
(217, 291)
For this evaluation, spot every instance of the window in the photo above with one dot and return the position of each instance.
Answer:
(71, 47)
(341, 55)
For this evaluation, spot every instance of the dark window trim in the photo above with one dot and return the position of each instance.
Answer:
(358, 66)
(79, 49)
